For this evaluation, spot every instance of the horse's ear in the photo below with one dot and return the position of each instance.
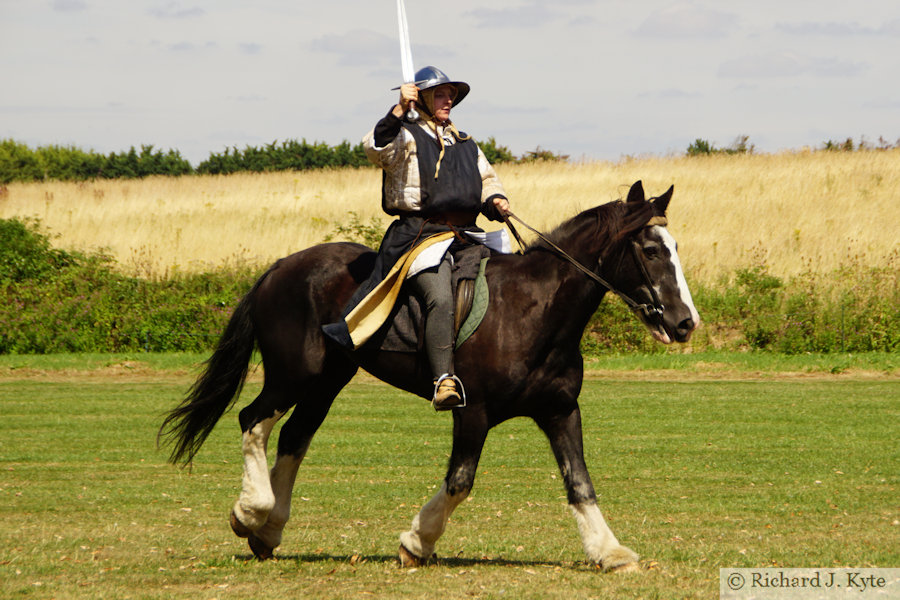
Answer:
(662, 203)
(636, 193)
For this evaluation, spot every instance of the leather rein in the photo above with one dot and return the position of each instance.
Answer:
(653, 312)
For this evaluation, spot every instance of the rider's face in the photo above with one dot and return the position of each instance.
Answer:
(443, 100)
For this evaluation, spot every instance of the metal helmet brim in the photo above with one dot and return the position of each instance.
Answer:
(431, 77)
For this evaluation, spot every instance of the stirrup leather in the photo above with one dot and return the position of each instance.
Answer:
(459, 388)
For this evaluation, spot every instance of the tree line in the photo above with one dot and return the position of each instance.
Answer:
(21, 163)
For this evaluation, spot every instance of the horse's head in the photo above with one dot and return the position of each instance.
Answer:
(649, 273)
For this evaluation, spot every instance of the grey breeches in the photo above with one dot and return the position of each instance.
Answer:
(434, 287)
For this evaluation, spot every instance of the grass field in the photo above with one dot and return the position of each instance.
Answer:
(794, 211)
(699, 463)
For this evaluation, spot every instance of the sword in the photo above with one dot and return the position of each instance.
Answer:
(406, 61)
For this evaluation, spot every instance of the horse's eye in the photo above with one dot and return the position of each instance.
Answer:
(651, 250)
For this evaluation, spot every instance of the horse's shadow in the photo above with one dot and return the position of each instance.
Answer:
(449, 561)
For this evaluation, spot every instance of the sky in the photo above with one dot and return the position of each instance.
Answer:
(591, 79)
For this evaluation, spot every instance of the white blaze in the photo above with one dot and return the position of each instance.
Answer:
(683, 289)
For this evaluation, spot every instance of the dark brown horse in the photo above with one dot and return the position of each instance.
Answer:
(523, 360)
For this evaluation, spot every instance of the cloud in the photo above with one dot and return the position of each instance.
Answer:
(69, 5)
(833, 67)
(189, 47)
(688, 20)
(785, 64)
(768, 65)
(365, 48)
(583, 21)
(518, 112)
(535, 13)
(250, 48)
(249, 98)
(883, 104)
(174, 10)
(670, 94)
(359, 47)
(832, 29)
(526, 16)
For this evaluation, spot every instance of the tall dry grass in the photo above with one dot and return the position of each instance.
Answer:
(793, 211)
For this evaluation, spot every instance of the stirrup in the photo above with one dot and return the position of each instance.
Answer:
(459, 388)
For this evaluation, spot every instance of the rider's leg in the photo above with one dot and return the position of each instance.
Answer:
(434, 287)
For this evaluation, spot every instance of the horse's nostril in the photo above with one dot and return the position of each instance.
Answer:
(686, 326)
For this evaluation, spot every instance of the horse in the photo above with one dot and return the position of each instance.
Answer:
(523, 360)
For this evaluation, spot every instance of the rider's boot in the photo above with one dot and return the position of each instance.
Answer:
(447, 393)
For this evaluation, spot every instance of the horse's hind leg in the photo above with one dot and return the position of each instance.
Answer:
(600, 545)
(293, 442)
(256, 500)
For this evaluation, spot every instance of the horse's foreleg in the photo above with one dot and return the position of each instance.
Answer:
(417, 544)
(600, 544)
(252, 508)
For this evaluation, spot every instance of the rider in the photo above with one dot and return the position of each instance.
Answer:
(435, 179)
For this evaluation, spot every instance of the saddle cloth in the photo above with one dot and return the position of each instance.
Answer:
(404, 328)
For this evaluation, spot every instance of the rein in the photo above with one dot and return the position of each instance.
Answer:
(651, 311)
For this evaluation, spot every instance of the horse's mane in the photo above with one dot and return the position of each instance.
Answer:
(612, 222)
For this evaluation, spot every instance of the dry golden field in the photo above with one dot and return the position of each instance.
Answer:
(792, 211)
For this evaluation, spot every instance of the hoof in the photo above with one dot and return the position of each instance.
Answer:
(408, 559)
(620, 560)
(239, 528)
(631, 567)
(260, 549)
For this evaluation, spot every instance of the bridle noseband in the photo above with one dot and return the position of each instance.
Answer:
(652, 312)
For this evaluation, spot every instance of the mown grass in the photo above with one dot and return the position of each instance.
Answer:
(716, 364)
(694, 474)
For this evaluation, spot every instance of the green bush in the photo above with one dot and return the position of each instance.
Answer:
(368, 234)
(26, 253)
(18, 163)
(739, 146)
(51, 301)
(494, 153)
(854, 309)
(539, 154)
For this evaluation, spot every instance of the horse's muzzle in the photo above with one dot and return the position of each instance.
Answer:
(684, 329)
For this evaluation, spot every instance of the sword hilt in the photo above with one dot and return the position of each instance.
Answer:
(412, 115)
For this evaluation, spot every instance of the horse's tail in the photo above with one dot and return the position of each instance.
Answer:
(187, 426)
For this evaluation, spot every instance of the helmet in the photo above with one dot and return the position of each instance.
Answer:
(431, 77)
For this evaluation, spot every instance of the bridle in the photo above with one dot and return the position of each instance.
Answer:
(652, 312)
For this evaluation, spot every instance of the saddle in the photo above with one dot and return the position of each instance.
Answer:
(404, 330)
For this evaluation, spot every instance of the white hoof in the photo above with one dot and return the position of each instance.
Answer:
(251, 519)
(620, 560)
